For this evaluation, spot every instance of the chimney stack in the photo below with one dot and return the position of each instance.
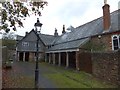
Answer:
(56, 33)
(63, 29)
(26, 33)
(106, 16)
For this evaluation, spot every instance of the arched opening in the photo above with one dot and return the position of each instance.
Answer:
(27, 56)
(56, 58)
(63, 59)
(115, 43)
(21, 56)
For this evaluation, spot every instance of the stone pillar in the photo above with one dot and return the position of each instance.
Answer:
(59, 63)
(77, 61)
(24, 56)
(45, 57)
(67, 59)
(49, 58)
(17, 56)
(53, 58)
(39, 57)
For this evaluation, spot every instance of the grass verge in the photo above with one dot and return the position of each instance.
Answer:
(69, 78)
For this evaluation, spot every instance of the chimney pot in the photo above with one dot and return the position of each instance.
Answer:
(26, 33)
(105, 1)
(63, 29)
(56, 33)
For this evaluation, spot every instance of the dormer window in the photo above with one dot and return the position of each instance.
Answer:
(115, 42)
(49, 46)
(36, 45)
(25, 44)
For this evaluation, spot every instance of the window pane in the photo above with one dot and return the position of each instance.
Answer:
(115, 48)
(115, 44)
(115, 37)
(119, 41)
(36, 45)
(25, 43)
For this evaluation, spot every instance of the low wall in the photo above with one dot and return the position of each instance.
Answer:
(106, 65)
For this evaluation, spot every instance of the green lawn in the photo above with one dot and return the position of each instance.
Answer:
(69, 78)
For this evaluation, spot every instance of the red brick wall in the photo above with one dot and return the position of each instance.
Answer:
(105, 41)
(31, 57)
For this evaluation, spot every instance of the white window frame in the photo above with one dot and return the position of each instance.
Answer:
(38, 45)
(119, 41)
(25, 44)
(118, 36)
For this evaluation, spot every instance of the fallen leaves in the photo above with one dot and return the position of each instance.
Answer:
(14, 79)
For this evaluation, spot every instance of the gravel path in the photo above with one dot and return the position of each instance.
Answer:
(21, 71)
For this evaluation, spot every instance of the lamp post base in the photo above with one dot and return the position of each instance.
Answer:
(36, 78)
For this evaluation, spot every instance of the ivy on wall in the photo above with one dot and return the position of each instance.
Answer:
(92, 46)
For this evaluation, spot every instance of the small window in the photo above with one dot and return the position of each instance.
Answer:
(25, 43)
(36, 45)
(49, 46)
(116, 43)
(119, 41)
(52, 45)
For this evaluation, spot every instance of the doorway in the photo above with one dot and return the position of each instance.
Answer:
(27, 56)
(20, 56)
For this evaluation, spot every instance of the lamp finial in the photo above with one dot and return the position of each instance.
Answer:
(105, 1)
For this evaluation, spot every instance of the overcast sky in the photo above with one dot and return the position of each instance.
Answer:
(67, 12)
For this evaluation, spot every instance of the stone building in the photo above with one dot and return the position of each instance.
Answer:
(101, 34)
(26, 47)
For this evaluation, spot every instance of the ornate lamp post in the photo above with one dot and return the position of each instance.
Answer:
(37, 25)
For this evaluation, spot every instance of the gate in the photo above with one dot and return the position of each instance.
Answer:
(85, 62)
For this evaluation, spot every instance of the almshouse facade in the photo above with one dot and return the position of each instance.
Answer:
(102, 34)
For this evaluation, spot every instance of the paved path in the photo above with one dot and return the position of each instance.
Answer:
(28, 69)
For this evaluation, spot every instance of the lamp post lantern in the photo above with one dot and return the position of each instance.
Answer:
(37, 25)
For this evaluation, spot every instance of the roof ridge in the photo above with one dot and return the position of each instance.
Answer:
(96, 19)
(19, 35)
(47, 34)
(72, 40)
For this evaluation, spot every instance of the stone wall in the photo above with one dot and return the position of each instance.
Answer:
(119, 67)
(106, 66)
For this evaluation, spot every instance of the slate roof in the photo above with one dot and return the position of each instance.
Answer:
(47, 39)
(18, 38)
(69, 45)
(81, 34)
